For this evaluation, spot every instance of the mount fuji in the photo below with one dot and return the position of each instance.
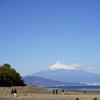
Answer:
(67, 73)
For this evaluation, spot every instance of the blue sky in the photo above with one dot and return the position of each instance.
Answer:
(34, 34)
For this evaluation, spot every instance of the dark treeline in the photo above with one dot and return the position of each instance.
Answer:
(9, 76)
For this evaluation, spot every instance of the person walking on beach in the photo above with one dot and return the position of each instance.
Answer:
(84, 91)
(56, 91)
(12, 91)
(15, 93)
(53, 92)
(62, 92)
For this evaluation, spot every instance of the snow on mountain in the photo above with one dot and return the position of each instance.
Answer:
(62, 66)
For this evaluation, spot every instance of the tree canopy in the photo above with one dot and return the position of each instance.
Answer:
(9, 76)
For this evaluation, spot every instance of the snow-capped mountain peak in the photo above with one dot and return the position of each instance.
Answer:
(61, 65)
(67, 73)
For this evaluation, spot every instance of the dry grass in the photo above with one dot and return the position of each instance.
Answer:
(42, 93)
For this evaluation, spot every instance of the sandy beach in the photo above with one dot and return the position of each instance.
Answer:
(42, 93)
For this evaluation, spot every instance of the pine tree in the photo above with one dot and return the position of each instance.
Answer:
(9, 76)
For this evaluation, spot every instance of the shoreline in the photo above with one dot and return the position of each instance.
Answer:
(75, 87)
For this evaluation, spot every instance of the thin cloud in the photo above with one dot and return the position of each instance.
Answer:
(91, 68)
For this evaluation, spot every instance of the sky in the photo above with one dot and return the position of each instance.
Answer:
(35, 34)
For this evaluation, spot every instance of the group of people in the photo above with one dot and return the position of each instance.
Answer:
(14, 92)
(56, 92)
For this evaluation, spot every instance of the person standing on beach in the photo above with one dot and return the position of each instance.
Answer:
(84, 91)
(12, 91)
(2, 88)
(15, 93)
(56, 91)
(62, 92)
(53, 92)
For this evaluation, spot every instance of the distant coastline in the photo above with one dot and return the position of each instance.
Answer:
(76, 87)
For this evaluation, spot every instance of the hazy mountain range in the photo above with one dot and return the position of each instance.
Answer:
(61, 72)
(38, 81)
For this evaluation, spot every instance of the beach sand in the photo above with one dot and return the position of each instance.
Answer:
(42, 93)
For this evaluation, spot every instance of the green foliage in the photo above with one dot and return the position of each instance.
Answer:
(9, 76)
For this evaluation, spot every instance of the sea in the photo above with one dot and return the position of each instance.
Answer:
(75, 87)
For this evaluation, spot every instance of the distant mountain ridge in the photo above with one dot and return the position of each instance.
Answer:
(67, 73)
(38, 81)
